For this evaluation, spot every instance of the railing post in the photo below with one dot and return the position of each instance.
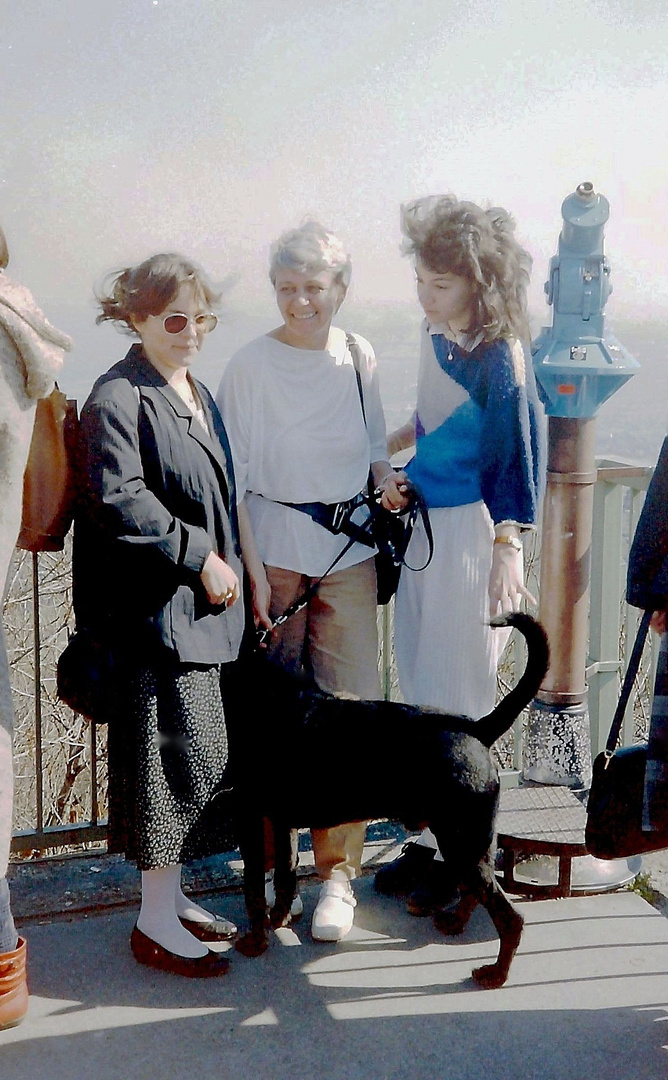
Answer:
(605, 608)
(37, 668)
(632, 617)
(386, 651)
(521, 653)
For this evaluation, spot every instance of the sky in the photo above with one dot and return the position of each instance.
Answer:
(210, 126)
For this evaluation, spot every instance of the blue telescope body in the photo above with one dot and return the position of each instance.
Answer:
(578, 365)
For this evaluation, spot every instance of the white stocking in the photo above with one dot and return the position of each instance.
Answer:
(186, 907)
(158, 917)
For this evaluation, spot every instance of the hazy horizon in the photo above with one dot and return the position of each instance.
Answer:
(630, 425)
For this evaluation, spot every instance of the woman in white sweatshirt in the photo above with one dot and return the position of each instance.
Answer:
(304, 431)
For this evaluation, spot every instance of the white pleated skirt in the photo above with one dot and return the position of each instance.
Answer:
(446, 652)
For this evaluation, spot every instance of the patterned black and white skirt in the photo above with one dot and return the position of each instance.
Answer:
(169, 800)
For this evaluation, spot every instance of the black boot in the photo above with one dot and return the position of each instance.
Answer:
(436, 891)
(405, 873)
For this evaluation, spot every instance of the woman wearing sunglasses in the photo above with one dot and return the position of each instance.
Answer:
(157, 581)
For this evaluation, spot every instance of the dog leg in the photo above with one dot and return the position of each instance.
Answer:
(285, 873)
(453, 922)
(455, 841)
(508, 923)
(251, 846)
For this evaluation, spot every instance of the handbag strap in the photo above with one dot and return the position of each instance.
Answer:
(335, 517)
(627, 685)
(354, 350)
(417, 504)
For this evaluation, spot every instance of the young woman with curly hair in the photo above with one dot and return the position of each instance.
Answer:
(477, 436)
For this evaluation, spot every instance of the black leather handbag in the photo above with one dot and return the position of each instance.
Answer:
(615, 805)
(87, 679)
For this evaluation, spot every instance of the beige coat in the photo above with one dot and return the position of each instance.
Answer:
(31, 355)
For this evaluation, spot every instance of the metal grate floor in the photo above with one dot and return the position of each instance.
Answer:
(553, 815)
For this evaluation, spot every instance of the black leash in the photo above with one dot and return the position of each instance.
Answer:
(262, 635)
(336, 519)
(416, 506)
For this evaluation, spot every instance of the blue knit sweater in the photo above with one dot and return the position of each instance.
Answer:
(491, 445)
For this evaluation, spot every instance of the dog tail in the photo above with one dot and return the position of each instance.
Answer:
(495, 724)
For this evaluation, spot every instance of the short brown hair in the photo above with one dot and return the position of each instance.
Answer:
(133, 294)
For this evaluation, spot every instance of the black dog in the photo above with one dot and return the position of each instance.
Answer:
(415, 765)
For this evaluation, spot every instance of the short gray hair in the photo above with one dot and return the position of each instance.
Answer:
(310, 247)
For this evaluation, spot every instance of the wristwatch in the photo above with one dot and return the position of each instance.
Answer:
(511, 540)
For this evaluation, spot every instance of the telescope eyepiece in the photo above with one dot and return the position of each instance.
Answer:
(586, 190)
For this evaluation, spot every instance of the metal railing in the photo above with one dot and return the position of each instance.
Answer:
(61, 759)
(619, 495)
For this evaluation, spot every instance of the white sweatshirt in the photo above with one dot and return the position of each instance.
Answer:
(295, 424)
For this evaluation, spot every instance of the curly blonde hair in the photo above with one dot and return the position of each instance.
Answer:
(461, 238)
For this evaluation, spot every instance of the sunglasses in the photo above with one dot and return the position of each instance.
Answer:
(175, 322)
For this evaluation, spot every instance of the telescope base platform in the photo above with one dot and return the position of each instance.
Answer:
(544, 826)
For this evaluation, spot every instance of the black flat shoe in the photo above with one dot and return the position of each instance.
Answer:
(146, 951)
(214, 930)
(436, 892)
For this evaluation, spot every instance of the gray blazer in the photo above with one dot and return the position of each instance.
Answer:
(156, 497)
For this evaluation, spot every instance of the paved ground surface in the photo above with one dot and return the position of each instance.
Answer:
(655, 871)
(587, 996)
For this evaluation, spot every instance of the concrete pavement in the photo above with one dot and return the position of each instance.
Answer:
(587, 997)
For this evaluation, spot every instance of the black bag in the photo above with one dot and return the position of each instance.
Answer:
(87, 679)
(391, 537)
(615, 804)
(614, 810)
(391, 533)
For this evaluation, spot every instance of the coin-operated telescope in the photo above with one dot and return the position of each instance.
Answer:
(578, 366)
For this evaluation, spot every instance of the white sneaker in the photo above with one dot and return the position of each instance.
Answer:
(335, 911)
(297, 907)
